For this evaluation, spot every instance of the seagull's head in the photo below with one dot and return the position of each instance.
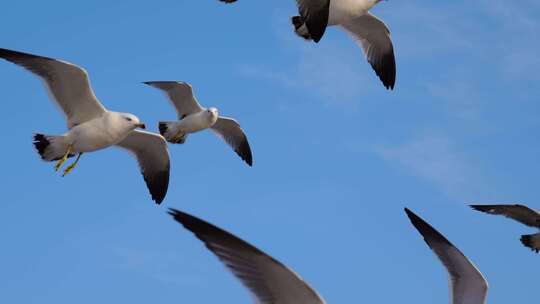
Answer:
(213, 112)
(132, 121)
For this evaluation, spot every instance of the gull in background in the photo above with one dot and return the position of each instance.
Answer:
(467, 283)
(354, 17)
(194, 118)
(268, 280)
(91, 126)
(520, 213)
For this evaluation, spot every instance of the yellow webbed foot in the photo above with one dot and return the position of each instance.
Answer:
(63, 159)
(72, 166)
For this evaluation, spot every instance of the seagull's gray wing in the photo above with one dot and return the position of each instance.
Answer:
(374, 37)
(151, 152)
(67, 83)
(315, 14)
(467, 283)
(520, 213)
(232, 133)
(180, 95)
(270, 281)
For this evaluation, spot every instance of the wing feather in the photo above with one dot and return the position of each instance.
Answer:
(520, 213)
(374, 37)
(152, 154)
(180, 95)
(270, 281)
(467, 283)
(68, 84)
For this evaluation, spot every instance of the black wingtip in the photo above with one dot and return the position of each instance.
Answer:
(159, 186)
(194, 224)
(13, 56)
(425, 229)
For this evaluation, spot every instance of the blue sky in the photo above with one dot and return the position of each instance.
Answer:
(336, 157)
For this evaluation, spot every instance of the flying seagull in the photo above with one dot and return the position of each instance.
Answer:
(467, 283)
(268, 280)
(194, 118)
(354, 17)
(520, 213)
(91, 126)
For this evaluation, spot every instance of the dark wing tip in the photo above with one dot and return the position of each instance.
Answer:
(426, 230)
(158, 185)
(14, 55)
(192, 223)
(227, 1)
(244, 151)
(200, 228)
(386, 69)
(482, 208)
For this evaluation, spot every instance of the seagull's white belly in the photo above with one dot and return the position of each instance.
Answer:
(95, 135)
(196, 122)
(344, 10)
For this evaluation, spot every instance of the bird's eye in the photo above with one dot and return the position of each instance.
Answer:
(128, 119)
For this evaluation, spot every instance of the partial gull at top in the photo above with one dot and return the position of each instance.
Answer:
(90, 126)
(520, 213)
(194, 118)
(467, 283)
(353, 16)
(269, 281)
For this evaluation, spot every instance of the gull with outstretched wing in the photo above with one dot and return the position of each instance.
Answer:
(90, 125)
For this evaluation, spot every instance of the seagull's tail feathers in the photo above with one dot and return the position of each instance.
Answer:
(300, 27)
(50, 147)
(171, 132)
(532, 241)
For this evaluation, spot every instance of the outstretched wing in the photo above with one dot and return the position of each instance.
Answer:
(270, 281)
(151, 152)
(180, 95)
(67, 83)
(467, 283)
(232, 133)
(520, 213)
(374, 37)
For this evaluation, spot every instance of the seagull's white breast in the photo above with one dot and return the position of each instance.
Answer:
(98, 133)
(345, 10)
(197, 122)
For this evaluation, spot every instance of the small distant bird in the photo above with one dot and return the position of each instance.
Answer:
(194, 118)
(269, 280)
(354, 17)
(466, 281)
(91, 126)
(520, 213)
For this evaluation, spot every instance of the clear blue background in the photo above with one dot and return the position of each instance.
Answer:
(336, 156)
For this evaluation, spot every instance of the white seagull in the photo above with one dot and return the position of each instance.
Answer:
(268, 280)
(520, 213)
(467, 283)
(91, 126)
(194, 118)
(354, 17)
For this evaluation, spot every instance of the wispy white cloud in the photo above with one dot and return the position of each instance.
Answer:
(324, 73)
(437, 160)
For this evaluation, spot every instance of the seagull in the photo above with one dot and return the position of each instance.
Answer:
(194, 118)
(354, 17)
(91, 127)
(466, 281)
(520, 213)
(268, 280)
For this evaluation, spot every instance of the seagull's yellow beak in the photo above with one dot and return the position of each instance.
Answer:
(141, 125)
